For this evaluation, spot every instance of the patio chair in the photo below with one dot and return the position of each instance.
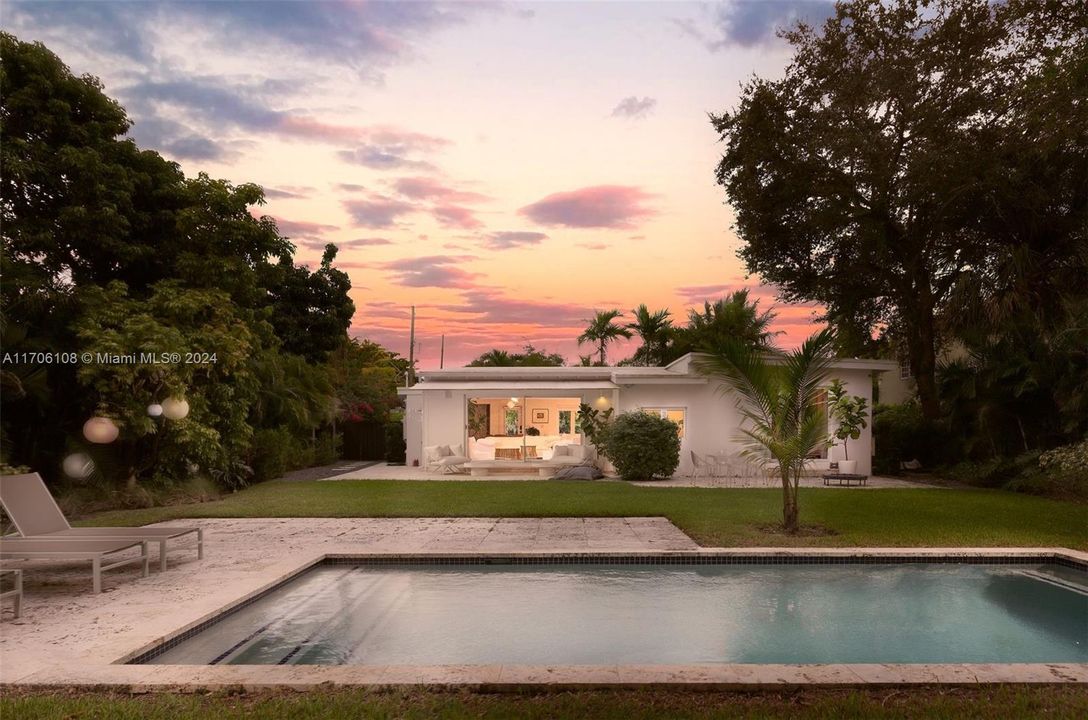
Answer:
(700, 465)
(36, 516)
(75, 548)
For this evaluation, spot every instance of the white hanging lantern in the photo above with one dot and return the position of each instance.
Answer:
(154, 410)
(175, 408)
(100, 430)
(78, 465)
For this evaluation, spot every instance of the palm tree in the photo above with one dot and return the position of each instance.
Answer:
(493, 358)
(654, 329)
(732, 316)
(602, 330)
(777, 396)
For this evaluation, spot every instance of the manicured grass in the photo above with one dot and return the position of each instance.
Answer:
(947, 704)
(712, 517)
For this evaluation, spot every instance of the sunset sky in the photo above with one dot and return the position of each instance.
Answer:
(504, 167)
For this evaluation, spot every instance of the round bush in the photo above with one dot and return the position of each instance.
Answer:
(642, 446)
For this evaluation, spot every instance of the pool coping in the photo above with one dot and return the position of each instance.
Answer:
(121, 674)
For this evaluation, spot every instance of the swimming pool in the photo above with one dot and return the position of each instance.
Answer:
(592, 613)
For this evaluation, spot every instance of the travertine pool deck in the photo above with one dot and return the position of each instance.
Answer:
(69, 636)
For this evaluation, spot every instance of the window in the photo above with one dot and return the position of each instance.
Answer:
(677, 415)
(513, 421)
(904, 368)
(565, 421)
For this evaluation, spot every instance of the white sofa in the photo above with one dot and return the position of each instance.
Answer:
(484, 448)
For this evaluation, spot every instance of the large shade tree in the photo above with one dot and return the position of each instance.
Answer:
(912, 146)
(108, 244)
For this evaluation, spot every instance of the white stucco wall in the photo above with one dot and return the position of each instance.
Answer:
(711, 418)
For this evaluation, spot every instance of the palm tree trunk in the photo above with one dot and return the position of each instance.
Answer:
(602, 350)
(789, 503)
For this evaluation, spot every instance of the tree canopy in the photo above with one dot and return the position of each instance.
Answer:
(110, 249)
(912, 150)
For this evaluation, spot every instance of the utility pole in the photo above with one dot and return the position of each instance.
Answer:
(442, 353)
(409, 377)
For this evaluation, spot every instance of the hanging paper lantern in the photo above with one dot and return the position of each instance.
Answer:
(175, 408)
(100, 430)
(78, 465)
(154, 410)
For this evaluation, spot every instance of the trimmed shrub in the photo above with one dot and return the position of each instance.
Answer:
(395, 448)
(641, 446)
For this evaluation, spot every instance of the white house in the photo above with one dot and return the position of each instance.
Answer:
(522, 413)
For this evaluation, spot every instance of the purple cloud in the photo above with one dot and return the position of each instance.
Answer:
(506, 239)
(377, 211)
(634, 107)
(600, 206)
(288, 192)
(749, 23)
(432, 271)
(303, 228)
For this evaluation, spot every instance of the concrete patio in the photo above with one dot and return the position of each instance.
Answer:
(383, 471)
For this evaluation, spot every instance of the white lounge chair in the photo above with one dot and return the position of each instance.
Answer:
(37, 516)
(15, 548)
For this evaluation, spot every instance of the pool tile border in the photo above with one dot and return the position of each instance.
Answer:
(754, 556)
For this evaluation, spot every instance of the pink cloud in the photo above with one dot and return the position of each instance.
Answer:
(456, 216)
(600, 206)
(303, 228)
(376, 210)
(425, 188)
(432, 271)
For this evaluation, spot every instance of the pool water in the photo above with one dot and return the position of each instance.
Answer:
(656, 614)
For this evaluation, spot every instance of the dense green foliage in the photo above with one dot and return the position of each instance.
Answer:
(529, 357)
(1066, 702)
(713, 517)
(109, 250)
(641, 446)
(902, 434)
(779, 401)
(920, 164)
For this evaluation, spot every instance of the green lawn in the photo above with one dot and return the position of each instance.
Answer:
(947, 704)
(713, 517)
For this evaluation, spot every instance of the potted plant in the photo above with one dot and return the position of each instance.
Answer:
(849, 412)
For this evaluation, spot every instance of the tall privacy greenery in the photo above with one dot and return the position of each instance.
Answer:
(778, 396)
(919, 163)
(109, 248)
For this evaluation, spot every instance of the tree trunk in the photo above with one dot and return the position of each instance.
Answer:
(922, 349)
(789, 503)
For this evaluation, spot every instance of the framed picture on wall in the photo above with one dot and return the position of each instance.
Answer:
(540, 415)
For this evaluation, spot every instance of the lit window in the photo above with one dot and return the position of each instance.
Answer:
(677, 415)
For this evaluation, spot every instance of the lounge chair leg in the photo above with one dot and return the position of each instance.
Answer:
(147, 558)
(200, 543)
(162, 555)
(18, 593)
(96, 575)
